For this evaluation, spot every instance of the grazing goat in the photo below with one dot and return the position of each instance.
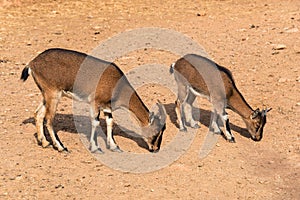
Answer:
(198, 76)
(100, 84)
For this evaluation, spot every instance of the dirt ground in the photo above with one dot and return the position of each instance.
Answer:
(257, 40)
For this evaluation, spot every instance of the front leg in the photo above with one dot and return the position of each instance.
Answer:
(93, 139)
(215, 125)
(228, 133)
(109, 138)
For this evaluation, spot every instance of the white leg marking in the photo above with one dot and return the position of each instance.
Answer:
(107, 110)
(94, 147)
(227, 132)
(110, 142)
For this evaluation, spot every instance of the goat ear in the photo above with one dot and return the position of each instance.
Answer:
(151, 117)
(264, 111)
(162, 112)
(255, 113)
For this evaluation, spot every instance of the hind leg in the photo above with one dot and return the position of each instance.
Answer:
(180, 115)
(52, 99)
(188, 110)
(180, 112)
(184, 108)
(39, 116)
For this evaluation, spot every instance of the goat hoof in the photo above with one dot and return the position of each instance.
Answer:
(196, 126)
(97, 151)
(62, 149)
(154, 151)
(44, 143)
(65, 151)
(116, 149)
(232, 140)
(217, 132)
(183, 129)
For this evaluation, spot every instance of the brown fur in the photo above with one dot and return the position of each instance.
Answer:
(186, 73)
(61, 71)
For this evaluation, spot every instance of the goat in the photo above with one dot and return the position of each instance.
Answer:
(55, 71)
(198, 76)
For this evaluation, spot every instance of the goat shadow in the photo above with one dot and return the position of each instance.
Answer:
(205, 118)
(81, 124)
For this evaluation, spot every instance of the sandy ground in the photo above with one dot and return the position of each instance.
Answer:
(243, 36)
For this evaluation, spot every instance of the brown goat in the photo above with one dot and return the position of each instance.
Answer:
(198, 76)
(61, 72)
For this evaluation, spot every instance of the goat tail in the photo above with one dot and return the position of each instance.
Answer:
(25, 73)
(172, 68)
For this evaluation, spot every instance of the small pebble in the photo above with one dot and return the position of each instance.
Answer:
(279, 46)
(282, 80)
(127, 185)
(271, 162)
(201, 165)
(201, 14)
(291, 30)
(59, 186)
(19, 177)
(253, 26)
